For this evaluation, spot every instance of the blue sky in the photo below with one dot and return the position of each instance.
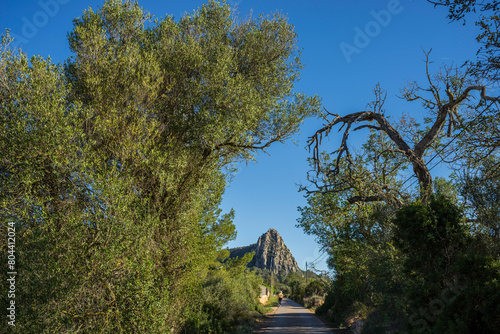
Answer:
(342, 66)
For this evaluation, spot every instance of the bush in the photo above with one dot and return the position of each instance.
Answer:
(227, 300)
(315, 287)
(272, 301)
(313, 301)
(453, 281)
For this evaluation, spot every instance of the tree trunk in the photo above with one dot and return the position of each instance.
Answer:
(424, 178)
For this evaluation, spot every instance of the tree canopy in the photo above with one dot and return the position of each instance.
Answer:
(113, 165)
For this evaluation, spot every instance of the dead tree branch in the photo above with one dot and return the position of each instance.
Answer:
(374, 119)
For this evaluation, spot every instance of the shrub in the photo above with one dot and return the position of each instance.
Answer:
(453, 281)
(272, 301)
(227, 299)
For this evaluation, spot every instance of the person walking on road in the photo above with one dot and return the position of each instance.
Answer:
(280, 298)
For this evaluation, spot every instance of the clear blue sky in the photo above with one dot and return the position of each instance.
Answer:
(264, 194)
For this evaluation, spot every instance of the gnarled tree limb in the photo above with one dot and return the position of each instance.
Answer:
(447, 110)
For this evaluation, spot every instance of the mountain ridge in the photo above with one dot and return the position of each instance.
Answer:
(271, 254)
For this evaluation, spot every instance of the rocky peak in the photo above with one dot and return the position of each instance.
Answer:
(271, 253)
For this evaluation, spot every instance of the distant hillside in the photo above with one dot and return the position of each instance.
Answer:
(271, 253)
(241, 251)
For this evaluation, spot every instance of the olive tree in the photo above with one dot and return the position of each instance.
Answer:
(113, 165)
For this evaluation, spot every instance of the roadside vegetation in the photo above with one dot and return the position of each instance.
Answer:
(227, 300)
(425, 261)
(114, 163)
(308, 292)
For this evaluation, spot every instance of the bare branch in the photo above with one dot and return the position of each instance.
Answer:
(447, 110)
(455, 82)
(368, 126)
(433, 88)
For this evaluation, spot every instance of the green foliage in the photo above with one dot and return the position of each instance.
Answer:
(368, 280)
(366, 264)
(272, 301)
(452, 282)
(227, 300)
(294, 286)
(298, 290)
(393, 272)
(481, 191)
(315, 287)
(113, 165)
(438, 275)
(446, 188)
(429, 233)
(279, 285)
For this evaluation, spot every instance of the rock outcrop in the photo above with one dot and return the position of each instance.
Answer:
(271, 253)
